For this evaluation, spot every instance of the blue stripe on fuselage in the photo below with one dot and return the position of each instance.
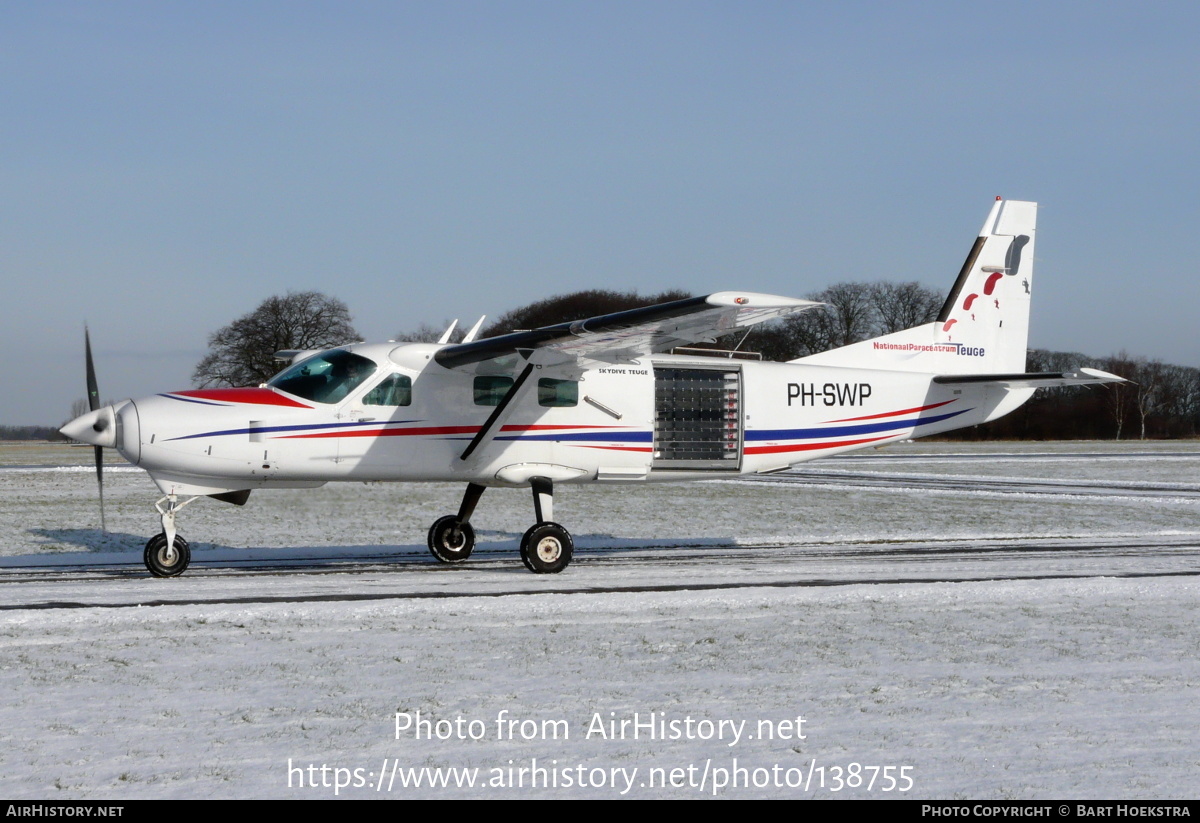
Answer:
(302, 427)
(846, 431)
(601, 437)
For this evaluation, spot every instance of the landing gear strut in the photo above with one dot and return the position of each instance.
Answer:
(545, 549)
(167, 554)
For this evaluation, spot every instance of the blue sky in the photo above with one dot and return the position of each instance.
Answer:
(167, 166)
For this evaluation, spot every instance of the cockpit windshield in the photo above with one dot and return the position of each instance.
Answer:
(326, 377)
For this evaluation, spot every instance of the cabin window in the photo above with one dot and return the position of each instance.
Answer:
(395, 390)
(490, 389)
(558, 393)
(326, 377)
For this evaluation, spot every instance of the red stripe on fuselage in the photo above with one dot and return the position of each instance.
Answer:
(891, 414)
(515, 428)
(253, 396)
(429, 430)
(803, 447)
(385, 432)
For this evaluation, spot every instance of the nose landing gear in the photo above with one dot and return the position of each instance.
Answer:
(167, 554)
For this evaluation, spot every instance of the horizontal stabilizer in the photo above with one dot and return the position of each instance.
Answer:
(1033, 380)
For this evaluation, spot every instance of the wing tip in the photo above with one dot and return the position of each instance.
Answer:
(749, 299)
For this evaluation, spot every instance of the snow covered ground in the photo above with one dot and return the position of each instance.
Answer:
(950, 621)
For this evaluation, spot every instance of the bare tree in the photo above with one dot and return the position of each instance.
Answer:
(1120, 394)
(1183, 384)
(1173, 401)
(805, 333)
(241, 354)
(1148, 394)
(847, 317)
(900, 306)
(849, 312)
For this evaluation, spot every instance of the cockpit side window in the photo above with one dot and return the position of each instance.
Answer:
(327, 377)
(395, 390)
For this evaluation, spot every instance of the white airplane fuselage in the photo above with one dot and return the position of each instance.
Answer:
(660, 418)
(587, 401)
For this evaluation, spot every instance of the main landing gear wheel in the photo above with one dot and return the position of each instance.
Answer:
(158, 560)
(451, 540)
(547, 548)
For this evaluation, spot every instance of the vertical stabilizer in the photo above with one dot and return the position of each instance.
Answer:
(983, 326)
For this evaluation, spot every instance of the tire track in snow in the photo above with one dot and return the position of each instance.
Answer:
(715, 562)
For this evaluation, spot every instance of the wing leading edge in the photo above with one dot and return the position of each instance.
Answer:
(624, 335)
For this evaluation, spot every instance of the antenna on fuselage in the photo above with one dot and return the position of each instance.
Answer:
(474, 329)
(445, 338)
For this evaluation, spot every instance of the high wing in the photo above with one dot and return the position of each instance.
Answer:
(622, 336)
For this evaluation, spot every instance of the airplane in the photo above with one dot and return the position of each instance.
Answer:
(602, 400)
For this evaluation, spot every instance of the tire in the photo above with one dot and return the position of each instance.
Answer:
(547, 548)
(450, 541)
(156, 560)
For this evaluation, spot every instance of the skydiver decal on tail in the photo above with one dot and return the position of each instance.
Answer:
(1000, 260)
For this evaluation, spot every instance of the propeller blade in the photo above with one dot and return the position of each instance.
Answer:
(93, 392)
(100, 484)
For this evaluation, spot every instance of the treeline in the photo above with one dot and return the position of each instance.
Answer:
(1161, 401)
(30, 433)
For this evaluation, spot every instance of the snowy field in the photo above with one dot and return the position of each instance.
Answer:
(1009, 621)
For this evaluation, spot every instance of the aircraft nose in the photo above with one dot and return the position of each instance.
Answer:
(97, 428)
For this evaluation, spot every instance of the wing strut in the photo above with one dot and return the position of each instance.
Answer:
(485, 431)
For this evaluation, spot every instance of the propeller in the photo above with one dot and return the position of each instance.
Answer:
(93, 393)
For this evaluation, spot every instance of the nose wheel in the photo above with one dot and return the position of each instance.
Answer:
(164, 563)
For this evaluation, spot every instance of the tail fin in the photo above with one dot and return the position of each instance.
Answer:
(983, 327)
